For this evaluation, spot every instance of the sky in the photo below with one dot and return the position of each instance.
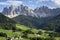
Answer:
(31, 3)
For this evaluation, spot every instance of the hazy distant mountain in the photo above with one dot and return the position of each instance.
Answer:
(43, 11)
(46, 12)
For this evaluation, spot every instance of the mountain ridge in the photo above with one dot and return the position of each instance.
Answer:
(43, 11)
(20, 10)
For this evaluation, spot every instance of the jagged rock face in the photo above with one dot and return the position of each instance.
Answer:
(20, 10)
(5, 11)
(25, 10)
(10, 12)
(47, 12)
(43, 11)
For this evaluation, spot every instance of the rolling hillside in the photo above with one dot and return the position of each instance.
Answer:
(52, 24)
(31, 21)
(6, 23)
(28, 20)
(23, 32)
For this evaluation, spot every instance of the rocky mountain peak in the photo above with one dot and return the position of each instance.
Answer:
(20, 10)
(25, 10)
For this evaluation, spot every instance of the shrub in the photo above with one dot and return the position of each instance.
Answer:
(3, 34)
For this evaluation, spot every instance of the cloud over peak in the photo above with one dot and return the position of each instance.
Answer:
(32, 3)
(11, 2)
(57, 2)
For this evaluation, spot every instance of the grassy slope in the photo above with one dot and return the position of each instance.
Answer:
(12, 34)
(2, 38)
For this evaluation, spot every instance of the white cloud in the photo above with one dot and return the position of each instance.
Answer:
(42, 0)
(3, 3)
(10, 2)
(15, 3)
(38, 1)
(57, 2)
